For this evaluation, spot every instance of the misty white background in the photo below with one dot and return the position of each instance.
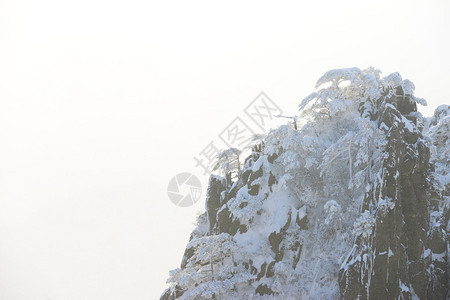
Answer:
(102, 102)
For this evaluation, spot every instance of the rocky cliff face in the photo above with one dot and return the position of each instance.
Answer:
(354, 204)
(406, 253)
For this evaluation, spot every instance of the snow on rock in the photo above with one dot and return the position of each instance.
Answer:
(353, 204)
(364, 225)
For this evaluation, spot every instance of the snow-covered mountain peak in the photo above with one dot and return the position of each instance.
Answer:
(353, 204)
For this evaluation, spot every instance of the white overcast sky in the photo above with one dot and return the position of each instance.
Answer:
(102, 102)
